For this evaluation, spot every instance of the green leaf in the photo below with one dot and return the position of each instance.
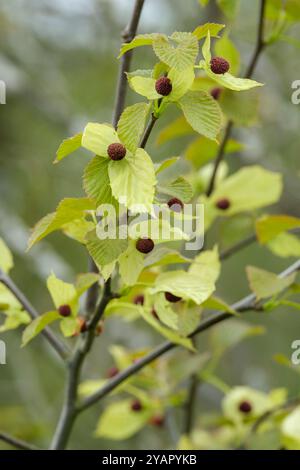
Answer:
(165, 312)
(184, 285)
(172, 336)
(206, 267)
(188, 319)
(96, 182)
(131, 264)
(290, 430)
(177, 128)
(140, 40)
(179, 51)
(105, 251)
(260, 402)
(162, 256)
(144, 86)
(202, 150)
(85, 281)
(232, 83)
(226, 48)
(214, 303)
(6, 258)
(228, 335)
(179, 188)
(182, 81)
(68, 146)
(14, 317)
(97, 137)
(244, 194)
(37, 325)
(202, 112)
(132, 123)
(119, 422)
(69, 326)
(269, 226)
(128, 311)
(78, 229)
(206, 49)
(285, 245)
(213, 28)
(265, 284)
(62, 293)
(67, 211)
(133, 180)
(165, 164)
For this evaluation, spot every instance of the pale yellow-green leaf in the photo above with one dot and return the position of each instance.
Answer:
(290, 429)
(228, 335)
(179, 51)
(119, 422)
(97, 137)
(68, 326)
(165, 312)
(68, 146)
(14, 317)
(250, 188)
(96, 181)
(259, 401)
(128, 311)
(214, 303)
(233, 83)
(206, 48)
(179, 188)
(105, 251)
(133, 180)
(62, 293)
(206, 267)
(202, 112)
(138, 41)
(131, 264)
(269, 226)
(37, 325)
(144, 86)
(132, 123)
(161, 256)
(213, 28)
(188, 319)
(6, 258)
(241, 108)
(285, 245)
(165, 164)
(184, 285)
(229, 7)
(265, 284)
(78, 229)
(68, 210)
(182, 81)
(171, 335)
(85, 281)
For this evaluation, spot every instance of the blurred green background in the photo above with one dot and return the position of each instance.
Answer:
(58, 60)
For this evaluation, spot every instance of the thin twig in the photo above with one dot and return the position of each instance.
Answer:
(15, 442)
(245, 304)
(260, 44)
(148, 131)
(60, 348)
(69, 411)
(190, 403)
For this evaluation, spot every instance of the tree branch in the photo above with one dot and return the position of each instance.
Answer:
(148, 131)
(59, 347)
(69, 411)
(15, 442)
(245, 304)
(260, 44)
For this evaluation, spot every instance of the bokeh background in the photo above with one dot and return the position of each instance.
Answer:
(58, 59)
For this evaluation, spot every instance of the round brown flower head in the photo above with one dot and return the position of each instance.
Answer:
(163, 86)
(116, 151)
(219, 66)
(144, 245)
